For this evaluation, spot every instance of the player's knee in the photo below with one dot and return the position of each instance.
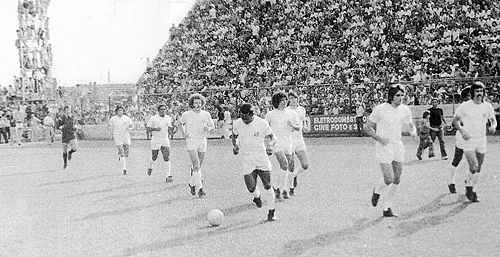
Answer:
(388, 180)
(166, 158)
(305, 166)
(396, 181)
(154, 156)
(284, 166)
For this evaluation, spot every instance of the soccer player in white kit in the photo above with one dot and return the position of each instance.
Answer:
(195, 125)
(255, 139)
(159, 125)
(120, 125)
(298, 144)
(283, 123)
(474, 115)
(459, 148)
(385, 125)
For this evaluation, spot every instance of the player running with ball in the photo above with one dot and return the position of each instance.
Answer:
(255, 144)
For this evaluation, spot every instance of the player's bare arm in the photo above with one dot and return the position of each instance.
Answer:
(270, 142)
(493, 125)
(458, 126)
(370, 130)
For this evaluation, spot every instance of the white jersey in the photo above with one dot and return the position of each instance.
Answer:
(196, 122)
(251, 142)
(278, 120)
(120, 126)
(474, 117)
(160, 122)
(301, 116)
(390, 120)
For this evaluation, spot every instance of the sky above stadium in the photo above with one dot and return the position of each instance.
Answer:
(91, 37)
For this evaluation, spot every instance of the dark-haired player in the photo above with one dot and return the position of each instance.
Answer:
(474, 115)
(283, 123)
(255, 139)
(158, 125)
(120, 124)
(385, 125)
(67, 125)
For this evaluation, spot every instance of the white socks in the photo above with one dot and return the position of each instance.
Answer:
(393, 189)
(451, 177)
(380, 186)
(269, 195)
(196, 180)
(284, 181)
(168, 167)
(124, 162)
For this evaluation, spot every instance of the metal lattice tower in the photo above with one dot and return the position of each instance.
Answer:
(35, 55)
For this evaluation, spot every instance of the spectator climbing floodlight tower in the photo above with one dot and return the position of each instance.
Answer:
(35, 55)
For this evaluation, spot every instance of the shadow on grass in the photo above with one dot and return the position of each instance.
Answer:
(114, 197)
(101, 214)
(423, 161)
(205, 232)
(73, 181)
(202, 217)
(299, 247)
(410, 227)
(28, 173)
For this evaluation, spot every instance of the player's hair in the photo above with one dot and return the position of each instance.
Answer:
(476, 85)
(434, 99)
(276, 99)
(394, 89)
(118, 107)
(65, 108)
(196, 96)
(426, 114)
(465, 92)
(246, 108)
(161, 105)
(293, 94)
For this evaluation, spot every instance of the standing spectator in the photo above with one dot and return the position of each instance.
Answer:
(437, 121)
(48, 123)
(4, 128)
(425, 137)
(13, 129)
(496, 108)
(34, 124)
(227, 122)
(360, 111)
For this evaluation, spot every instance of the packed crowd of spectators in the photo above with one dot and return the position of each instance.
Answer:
(354, 47)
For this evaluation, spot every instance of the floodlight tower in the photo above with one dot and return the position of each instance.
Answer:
(35, 55)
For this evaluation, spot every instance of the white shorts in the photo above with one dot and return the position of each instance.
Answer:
(298, 145)
(249, 163)
(196, 144)
(394, 151)
(477, 144)
(156, 144)
(123, 139)
(284, 149)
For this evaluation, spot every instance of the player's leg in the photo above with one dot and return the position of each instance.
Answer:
(440, 135)
(397, 168)
(74, 147)
(280, 184)
(201, 148)
(421, 147)
(154, 156)
(165, 151)
(304, 165)
(65, 154)
(431, 147)
(471, 157)
(457, 157)
(251, 184)
(121, 153)
(195, 180)
(384, 156)
(265, 177)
